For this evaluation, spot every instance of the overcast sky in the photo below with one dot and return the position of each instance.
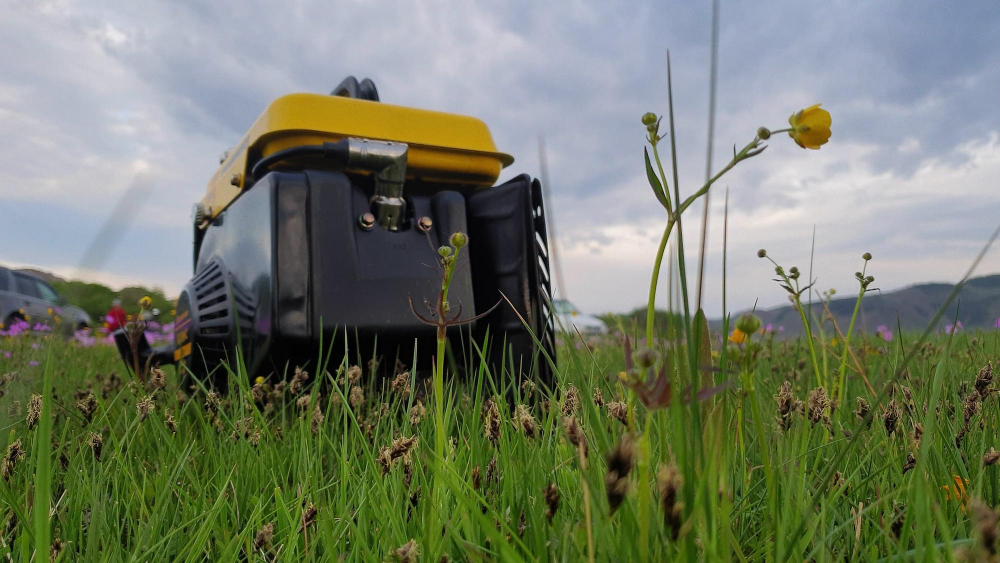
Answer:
(98, 97)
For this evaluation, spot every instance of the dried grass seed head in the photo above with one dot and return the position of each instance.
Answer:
(34, 411)
(15, 452)
(669, 481)
(618, 410)
(491, 421)
(525, 422)
(96, 443)
(576, 435)
(620, 462)
(551, 501)
(571, 401)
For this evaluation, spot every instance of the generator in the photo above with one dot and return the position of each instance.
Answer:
(321, 227)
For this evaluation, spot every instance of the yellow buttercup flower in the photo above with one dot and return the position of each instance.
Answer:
(146, 303)
(810, 127)
(738, 336)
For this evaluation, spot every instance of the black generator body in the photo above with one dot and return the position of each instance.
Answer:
(323, 247)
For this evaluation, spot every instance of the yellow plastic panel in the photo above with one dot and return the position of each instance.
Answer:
(443, 147)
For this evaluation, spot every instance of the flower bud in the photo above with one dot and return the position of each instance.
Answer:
(867, 256)
(779, 270)
(444, 251)
(761, 253)
(649, 119)
(748, 324)
(645, 358)
(458, 240)
(764, 133)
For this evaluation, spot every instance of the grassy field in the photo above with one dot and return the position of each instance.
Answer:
(98, 467)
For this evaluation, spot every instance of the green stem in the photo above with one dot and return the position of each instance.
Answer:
(809, 340)
(847, 344)
(651, 306)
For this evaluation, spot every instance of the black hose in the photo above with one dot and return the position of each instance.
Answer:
(337, 151)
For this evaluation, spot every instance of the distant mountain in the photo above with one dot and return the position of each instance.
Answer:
(978, 306)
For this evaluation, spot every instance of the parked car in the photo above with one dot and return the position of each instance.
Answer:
(26, 297)
(571, 319)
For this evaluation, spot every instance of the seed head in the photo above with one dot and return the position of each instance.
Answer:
(353, 374)
(264, 537)
(618, 410)
(528, 389)
(891, 416)
(983, 380)
(491, 421)
(911, 462)
(571, 401)
(303, 401)
(863, 408)
(417, 413)
(357, 397)
(144, 407)
(169, 421)
(309, 516)
(551, 501)
(316, 421)
(985, 521)
(492, 471)
(525, 421)
(299, 380)
(96, 442)
(669, 481)
(598, 397)
(157, 378)
(819, 407)
(257, 392)
(620, 462)
(212, 402)
(761, 253)
(400, 448)
(575, 434)
(34, 411)
(970, 407)
(15, 452)
(787, 405)
(991, 457)
(87, 407)
(401, 384)
(408, 553)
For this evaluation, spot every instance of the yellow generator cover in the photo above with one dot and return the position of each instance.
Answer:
(443, 147)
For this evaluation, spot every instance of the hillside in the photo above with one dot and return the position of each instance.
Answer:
(978, 306)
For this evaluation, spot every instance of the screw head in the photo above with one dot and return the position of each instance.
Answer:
(367, 221)
(425, 224)
(235, 179)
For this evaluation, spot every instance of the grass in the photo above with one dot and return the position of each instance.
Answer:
(208, 490)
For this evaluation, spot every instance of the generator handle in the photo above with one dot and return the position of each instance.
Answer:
(351, 88)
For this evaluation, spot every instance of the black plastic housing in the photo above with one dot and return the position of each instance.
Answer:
(288, 265)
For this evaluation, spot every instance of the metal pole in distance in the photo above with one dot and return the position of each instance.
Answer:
(550, 219)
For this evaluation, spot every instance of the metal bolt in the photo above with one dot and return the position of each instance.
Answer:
(425, 224)
(367, 221)
(235, 179)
